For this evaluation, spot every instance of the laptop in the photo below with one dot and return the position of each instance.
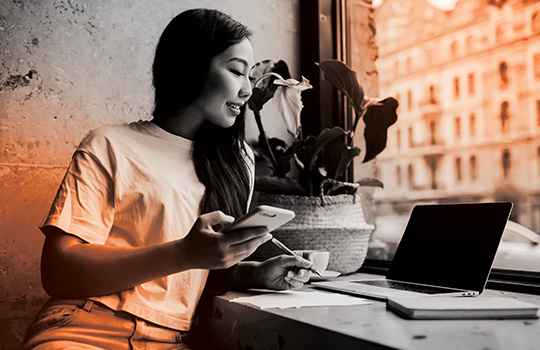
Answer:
(446, 250)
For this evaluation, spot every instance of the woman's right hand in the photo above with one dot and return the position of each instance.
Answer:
(205, 248)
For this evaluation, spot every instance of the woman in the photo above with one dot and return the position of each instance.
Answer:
(134, 228)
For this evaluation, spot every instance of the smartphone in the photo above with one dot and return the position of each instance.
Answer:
(263, 215)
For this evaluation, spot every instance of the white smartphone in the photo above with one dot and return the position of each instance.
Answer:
(263, 215)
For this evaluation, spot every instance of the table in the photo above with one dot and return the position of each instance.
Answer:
(231, 325)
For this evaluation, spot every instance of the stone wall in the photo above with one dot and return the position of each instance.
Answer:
(68, 66)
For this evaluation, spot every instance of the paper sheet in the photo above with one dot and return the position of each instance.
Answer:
(295, 299)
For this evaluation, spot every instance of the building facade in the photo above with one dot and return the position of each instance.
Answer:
(468, 84)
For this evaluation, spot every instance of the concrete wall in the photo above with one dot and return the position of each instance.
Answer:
(68, 66)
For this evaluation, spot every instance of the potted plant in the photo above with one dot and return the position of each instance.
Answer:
(307, 174)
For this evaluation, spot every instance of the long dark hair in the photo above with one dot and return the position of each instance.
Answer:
(180, 69)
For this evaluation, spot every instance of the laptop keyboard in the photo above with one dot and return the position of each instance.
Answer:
(407, 286)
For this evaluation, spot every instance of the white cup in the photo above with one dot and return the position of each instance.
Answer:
(320, 258)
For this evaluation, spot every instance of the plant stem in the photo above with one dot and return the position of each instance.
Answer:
(359, 115)
(266, 144)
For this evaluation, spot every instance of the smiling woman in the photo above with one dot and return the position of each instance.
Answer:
(133, 237)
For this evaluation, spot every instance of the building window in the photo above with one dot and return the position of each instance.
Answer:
(535, 21)
(469, 44)
(470, 80)
(500, 33)
(410, 176)
(458, 169)
(429, 43)
(410, 134)
(538, 111)
(454, 49)
(457, 123)
(504, 116)
(398, 138)
(503, 72)
(472, 165)
(472, 124)
(506, 163)
(409, 100)
(398, 176)
(432, 99)
(537, 66)
(538, 159)
(432, 126)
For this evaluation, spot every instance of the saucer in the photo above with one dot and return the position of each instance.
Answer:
(326, 275)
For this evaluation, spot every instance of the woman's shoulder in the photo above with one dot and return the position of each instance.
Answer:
(108, 133)
(106, 140)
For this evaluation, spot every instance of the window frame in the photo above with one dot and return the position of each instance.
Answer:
(333, 42)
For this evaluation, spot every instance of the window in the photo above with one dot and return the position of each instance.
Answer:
(472, 166)
(538, 160)
(536, 66)
(458, 169)
(432, 133)
(504, 116)
(469, 44)
(410, 176)
(472, 125)
(398, 138)
(484, 83)
(538, 111)
(432, 99)
(500, 34)
(535, 21)
(398, 176)
(503, 73)
(454, 49)
(506, 163)
(470, 79)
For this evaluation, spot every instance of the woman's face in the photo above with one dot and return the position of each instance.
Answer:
(227, 87)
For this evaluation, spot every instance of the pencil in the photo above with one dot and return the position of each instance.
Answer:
(290, 252)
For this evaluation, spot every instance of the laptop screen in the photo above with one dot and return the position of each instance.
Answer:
(451, 245)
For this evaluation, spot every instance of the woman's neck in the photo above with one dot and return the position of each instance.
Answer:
(180, 125)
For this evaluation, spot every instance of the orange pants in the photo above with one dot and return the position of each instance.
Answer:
(85, 324)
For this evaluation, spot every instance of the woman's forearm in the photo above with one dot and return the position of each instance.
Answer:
(73, 269)
(248, 276)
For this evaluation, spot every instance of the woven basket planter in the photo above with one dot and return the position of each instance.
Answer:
(333, 223)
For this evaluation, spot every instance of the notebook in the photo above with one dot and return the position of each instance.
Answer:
(446, 249)
(447, 308)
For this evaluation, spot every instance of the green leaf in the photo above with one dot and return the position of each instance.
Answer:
(378, 119)
(337, 156)
(344, 79)
(326, 136)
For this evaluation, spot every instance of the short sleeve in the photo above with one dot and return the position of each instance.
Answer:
(84, 203)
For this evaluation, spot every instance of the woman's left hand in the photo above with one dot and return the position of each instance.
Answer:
(284, 272)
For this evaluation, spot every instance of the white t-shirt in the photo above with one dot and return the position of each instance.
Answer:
(135, 185)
